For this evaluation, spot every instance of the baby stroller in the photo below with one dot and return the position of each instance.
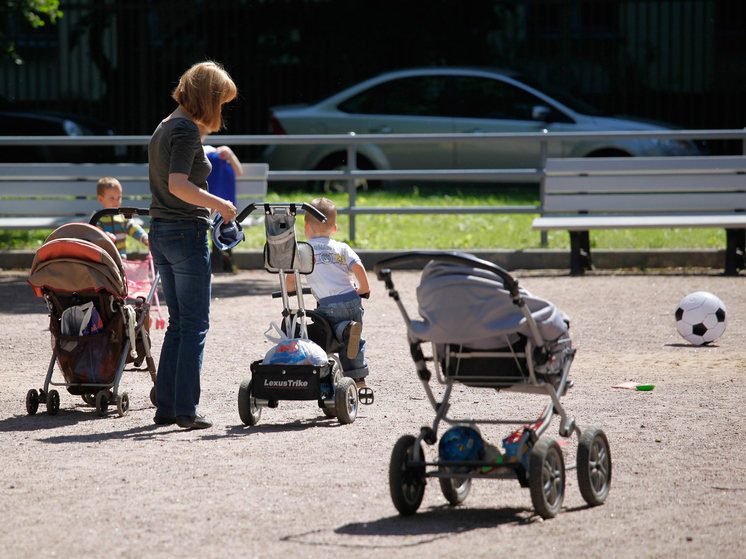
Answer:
(337, 396)
(95, 333)
(487, 332)
(140, 276)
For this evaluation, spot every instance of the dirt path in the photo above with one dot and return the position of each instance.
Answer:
(300, 485)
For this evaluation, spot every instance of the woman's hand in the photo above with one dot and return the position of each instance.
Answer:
(228, 211)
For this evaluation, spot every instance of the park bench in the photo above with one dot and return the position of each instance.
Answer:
(584, 194)
(47, 195)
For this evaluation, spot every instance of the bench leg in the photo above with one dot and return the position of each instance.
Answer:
(580, 253)
(734, 251)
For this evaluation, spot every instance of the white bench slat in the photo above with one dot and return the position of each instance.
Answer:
(588, 222)
(47, 188)
(646, 203)
(76, 171)
(645, 165)
(49, 222)
(49, 206)
(645, 183)
(132, 189)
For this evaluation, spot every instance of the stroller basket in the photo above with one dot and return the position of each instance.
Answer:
(288, 382)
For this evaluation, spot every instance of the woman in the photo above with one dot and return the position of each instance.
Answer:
(179, 232)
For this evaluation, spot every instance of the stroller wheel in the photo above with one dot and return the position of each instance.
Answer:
(102, 402)
(328, 412)
(123, 404)
(32, 401)
(248, 410)
(53, 402)
(546, 478)
(594, 466)
(345, 400)
(455, 489)
(406, 481)
(89, 399)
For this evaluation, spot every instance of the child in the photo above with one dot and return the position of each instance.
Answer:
(222, 183)
(109, 192)
(336, 270)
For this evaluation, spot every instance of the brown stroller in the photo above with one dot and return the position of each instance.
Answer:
(95, 332)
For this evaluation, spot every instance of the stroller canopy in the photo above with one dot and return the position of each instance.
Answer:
(78, 257)
(470, 306)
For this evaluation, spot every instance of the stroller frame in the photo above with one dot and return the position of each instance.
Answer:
(537, 464)
(337, 395)
(101, 395)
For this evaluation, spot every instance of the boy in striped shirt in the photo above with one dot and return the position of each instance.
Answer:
(109, 191)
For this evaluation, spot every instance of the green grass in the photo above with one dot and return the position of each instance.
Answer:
(477, 231)
(444, 231)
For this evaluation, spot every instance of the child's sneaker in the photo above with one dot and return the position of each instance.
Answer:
(351, 338)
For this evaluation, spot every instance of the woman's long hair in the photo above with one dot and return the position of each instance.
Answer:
(202, 90)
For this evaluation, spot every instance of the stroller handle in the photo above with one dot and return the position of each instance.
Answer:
(303, 206)
(129, 213)
(425, 256)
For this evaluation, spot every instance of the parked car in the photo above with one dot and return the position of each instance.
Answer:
(46, 123)
(452, 100)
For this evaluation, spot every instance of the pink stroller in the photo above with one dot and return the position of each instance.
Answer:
(140, 276)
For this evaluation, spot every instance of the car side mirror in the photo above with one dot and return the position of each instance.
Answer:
(541, 113)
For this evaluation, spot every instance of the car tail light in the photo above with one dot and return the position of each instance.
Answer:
(275, 127)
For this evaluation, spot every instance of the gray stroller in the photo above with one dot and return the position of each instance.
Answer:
(487, 332)
(337, 395)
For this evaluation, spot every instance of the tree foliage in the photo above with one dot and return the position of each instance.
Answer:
(35, 12)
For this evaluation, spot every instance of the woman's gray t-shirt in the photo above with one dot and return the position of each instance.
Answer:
(176, 147)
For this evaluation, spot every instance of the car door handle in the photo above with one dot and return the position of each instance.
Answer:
(381, 130)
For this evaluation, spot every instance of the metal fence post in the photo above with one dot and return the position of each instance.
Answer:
(543, 156)
(351, 188)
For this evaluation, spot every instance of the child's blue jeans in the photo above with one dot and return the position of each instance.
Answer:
(339, 315)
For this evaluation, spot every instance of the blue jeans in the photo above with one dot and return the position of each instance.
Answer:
(339, 315)
(181, 253)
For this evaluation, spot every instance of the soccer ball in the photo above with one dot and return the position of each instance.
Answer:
(701, 318)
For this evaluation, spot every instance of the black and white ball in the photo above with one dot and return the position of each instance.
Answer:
(701, 318)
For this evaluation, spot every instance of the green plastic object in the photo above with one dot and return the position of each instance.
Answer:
(646, 387)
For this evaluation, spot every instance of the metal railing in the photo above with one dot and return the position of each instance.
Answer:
(352, 173)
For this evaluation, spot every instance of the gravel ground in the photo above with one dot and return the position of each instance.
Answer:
(76, 485)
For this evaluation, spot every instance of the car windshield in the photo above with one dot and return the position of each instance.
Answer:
(562, 96)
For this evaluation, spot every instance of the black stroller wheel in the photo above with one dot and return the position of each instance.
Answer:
(102, 402)
(328, 412)
(32, 401)
(546, 478)
(53, 402)
(89, 399)
(406, 481)
(594, 466)
(249, 412)
(455, 489)
(123, 404)
(345, 400)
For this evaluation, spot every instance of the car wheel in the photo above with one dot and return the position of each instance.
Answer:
(338, 162)
(609, 152)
